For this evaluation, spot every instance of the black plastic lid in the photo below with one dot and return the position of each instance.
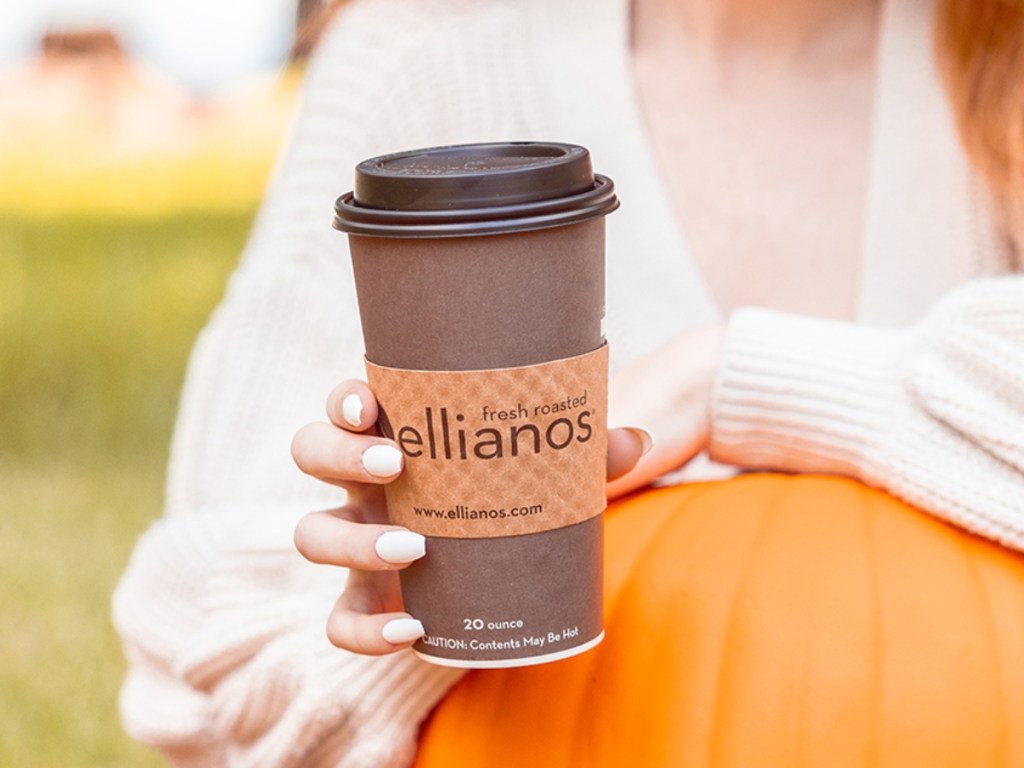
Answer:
(474, 189)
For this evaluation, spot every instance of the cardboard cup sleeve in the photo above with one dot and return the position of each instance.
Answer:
(505, 475)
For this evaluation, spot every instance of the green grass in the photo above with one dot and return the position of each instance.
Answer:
(96, 320)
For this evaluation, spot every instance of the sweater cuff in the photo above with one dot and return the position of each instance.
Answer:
(395, 706)
(802, 394)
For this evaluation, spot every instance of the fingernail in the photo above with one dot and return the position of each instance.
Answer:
(402, 630)
(382, 460)
(646, 439)
(400, 546)
(352, 409)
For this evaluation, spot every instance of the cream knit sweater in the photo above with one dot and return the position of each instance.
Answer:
(223, 622)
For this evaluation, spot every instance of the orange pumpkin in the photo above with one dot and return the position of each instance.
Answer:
(769, 621)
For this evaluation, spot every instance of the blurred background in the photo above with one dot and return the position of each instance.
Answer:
(135, 141)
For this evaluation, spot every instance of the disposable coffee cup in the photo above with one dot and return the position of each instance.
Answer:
(479, 271)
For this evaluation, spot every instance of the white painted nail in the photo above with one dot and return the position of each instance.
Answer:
(382, 460)
(400, 546)
(646, 439)
(352, 409)
(402, 630)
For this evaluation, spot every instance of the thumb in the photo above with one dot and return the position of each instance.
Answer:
(626, 446)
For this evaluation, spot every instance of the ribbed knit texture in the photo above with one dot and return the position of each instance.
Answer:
(933, 414)
(224, 623)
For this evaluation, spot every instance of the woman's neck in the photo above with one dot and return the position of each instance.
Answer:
(777, 34)
(768, 104)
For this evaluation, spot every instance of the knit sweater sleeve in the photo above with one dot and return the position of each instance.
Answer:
(223, 623)
(934, 413)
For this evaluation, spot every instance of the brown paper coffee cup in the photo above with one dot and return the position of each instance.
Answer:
(480, 276)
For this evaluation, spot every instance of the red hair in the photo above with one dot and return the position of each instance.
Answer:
(311, 26)
(980, 50)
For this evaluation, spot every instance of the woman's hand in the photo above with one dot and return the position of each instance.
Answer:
(669, 393)
(368, 617)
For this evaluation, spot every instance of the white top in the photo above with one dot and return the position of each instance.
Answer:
(223, 622)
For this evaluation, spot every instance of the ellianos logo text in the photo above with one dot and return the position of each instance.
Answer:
(443, 435)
